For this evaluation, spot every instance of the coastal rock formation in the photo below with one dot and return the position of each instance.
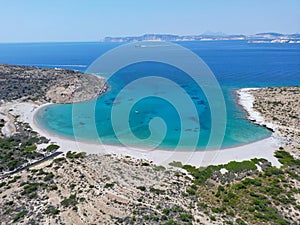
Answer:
(280, 106)
(27, 83)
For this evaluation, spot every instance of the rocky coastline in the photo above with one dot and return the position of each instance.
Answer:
(20, 146)
(276, 108)
(32, 84)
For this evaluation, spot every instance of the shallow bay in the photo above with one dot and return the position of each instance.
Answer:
(235, 64)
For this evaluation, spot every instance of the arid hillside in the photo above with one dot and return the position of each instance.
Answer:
(48, 85)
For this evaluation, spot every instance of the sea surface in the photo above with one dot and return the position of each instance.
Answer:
(235, 64)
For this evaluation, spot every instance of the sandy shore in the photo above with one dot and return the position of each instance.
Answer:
(260, 149)
(246, 100)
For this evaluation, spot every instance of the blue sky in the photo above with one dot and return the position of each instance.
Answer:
(90, 20)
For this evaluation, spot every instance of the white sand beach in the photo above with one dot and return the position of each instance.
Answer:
(246, 100)
(261, 149)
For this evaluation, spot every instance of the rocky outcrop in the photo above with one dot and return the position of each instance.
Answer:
(280, 106)
(48, 85)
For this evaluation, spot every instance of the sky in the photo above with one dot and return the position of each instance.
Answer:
(92, 20)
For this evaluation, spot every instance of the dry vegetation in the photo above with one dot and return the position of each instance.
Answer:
(27, 83)
(109, 189)
(281, 106)
(98, 189)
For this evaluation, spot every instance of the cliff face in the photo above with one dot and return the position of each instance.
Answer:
(48, 85)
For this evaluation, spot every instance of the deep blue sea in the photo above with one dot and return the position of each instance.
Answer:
(235, 64)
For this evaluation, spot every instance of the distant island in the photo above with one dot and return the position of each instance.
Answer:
(270, 37)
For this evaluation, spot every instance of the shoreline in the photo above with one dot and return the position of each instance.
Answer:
(246, 100)
(246, 106)
(141, 148)
(264, 148)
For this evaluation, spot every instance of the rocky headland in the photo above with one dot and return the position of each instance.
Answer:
(20, 146)
(280, 106)
(278, 109)
(32, 84)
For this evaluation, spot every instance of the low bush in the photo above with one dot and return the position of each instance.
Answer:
(19, 215)
(240, 166)
(286, 158)
(71, 201)
(176, 164)
(142, 188)
(52, 147)
(75, 155)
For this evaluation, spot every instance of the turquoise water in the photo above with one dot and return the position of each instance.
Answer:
(235, 65)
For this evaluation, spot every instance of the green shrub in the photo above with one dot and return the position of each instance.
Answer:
(109, 185)
(32, 195)
(273, 171)
(142, 188)
(213, 218)
(257, 161)
(164, 217)
(57, 160)
(249, 181)
(49, 176)
(239, 221)
(201, 174)
(231, 195)
(286, 158)
(2, 184)
(19, 215)
(251, 209)
(53, 187)
(171, 222)
(29, 188)
(31, 148)
(177, 208)
(52, 147)
(166, 211)
(74, 155)
(176, 164)
(51, 210)
(186, 217)
(158, 168)
(71, 201)
(191, 191)
(221, 188)
(218, 210)
(240, 166)
(239, 186)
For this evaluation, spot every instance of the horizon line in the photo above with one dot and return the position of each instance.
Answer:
(140, 35)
